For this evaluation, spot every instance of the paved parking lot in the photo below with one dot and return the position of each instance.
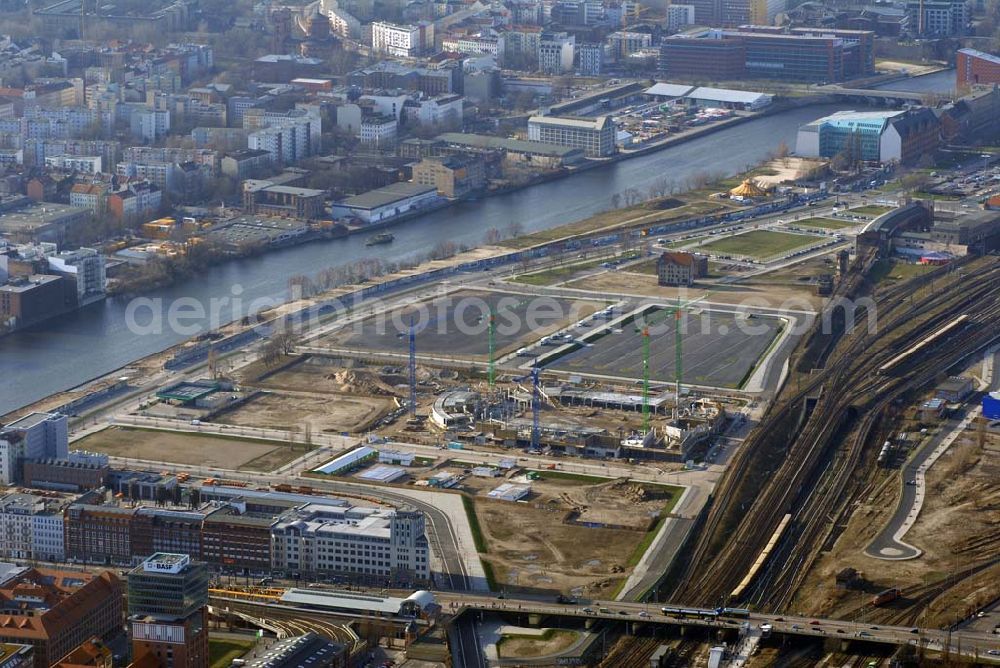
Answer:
(458, 323)
(720, 349)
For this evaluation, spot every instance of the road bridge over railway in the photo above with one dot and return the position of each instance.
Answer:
(283, 605)
(979, 645)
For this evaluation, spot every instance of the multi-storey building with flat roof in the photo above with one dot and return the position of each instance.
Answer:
(402, 41)
(32, 527)
(168, 611)
(368, 543)
(556, 51)
(974, 67)
(35, 436)
(594, 136)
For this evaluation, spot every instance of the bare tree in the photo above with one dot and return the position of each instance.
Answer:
(492, 236)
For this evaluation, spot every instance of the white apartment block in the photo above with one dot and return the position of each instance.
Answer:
(402, 41)
(379, 131)
(376, 543)
(288, 142)
(32, 527)
(86, 267)
(86, 164)
(595, 136)
(624, 43)
(555, 52)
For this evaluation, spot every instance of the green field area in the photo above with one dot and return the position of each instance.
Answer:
(825, 223)
(895, 270)
(564, 272)
(872, 210)
(221, 652)
(758, 243)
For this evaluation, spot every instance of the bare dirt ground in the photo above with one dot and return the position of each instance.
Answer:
(518, 647)
(531, 548)
(325, 413)
(773, 296)
(318, 376)
(958, 526)
(787, 169)
(179, 448)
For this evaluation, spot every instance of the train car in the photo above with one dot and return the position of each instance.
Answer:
(886, 596)
(741, 613)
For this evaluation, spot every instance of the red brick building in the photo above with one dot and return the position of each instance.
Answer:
(974, 67)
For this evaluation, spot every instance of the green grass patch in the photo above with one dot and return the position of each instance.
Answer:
(477, 531)
(575, 477)
(644, 544)
(222, 651)
(566, 272)
(758, 243)
(894, 270)
(824, 223)
(491, 576)
(873, 210)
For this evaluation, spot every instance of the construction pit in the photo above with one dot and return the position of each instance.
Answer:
(456, 325)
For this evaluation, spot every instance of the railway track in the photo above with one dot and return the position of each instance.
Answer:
(850, 404)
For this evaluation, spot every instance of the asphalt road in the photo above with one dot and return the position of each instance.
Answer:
(888, 544)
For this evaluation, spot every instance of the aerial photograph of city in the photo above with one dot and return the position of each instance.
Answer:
(499, 333)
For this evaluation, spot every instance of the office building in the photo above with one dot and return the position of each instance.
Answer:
(875, 136)
(679, 16)
(98, 534)
(35, 436)
(594, 136)
(168, 611)
(55, 611)
(371, 544)
(973, 67)
(938, 18)
(235, 538)
(716, 58)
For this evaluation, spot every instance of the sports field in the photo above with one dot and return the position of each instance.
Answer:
(458, 324)
(719, 349)
(758, 243)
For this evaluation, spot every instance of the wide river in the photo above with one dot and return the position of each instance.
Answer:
(93, 341)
